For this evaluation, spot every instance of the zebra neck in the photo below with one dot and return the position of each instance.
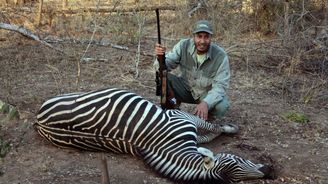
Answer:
(178, 164)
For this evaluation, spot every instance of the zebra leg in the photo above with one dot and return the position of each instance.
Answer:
(224, 128)
(228, 128)
(217, 128)
(206, 138)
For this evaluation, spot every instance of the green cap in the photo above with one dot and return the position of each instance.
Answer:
(202, 26)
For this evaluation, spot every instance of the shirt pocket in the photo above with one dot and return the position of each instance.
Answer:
(208, 71)
(205, 82)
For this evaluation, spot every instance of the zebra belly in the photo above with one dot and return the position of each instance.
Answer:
(84, 140)
(105, 120)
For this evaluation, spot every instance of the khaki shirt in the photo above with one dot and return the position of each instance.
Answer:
(207, 81)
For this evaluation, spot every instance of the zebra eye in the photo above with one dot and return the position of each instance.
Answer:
(208, 162)
(208, 157)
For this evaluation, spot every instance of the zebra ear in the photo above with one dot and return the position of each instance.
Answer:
(208, 157)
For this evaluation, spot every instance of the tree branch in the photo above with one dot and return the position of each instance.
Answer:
(110, 10)
(26, 32)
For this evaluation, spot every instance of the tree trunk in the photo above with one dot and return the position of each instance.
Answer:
(19, 2)
(40, 13)
(65, 3)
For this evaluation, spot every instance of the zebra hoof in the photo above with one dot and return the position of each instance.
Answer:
(229, 128)
(268, 171)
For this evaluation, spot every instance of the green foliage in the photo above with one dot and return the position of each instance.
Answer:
(4, 148)
(4, 108)
(8, 109)
(297, 117)
(13, 113)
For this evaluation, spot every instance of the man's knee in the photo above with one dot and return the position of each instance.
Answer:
(220, 109)
(179, 88)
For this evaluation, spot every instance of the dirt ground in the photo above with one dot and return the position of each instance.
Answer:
(30, 73)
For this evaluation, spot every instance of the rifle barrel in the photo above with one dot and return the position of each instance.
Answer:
(158, 26)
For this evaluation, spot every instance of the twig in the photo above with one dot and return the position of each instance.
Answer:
(304, 12)
(79, 62)
(141, 22)
(91, 42)
(94, 59)
(54, 70)
(99, 43)
(194, 9)
(229, 49)
(163, 38)
(82, 58)
(104, 169)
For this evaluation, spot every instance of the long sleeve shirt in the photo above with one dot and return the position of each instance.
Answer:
(207, 81)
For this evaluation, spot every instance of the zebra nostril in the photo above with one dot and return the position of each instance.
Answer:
(268, 171)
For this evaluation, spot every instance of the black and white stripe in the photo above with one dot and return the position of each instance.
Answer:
(123, 122)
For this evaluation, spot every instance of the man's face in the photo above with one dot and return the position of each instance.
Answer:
(202, 42)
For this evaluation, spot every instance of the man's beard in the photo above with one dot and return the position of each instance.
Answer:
(202, 48)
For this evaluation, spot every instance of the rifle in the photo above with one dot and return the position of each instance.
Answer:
(167, 96)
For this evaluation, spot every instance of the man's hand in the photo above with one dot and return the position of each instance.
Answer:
(159, 49)
(202, 110)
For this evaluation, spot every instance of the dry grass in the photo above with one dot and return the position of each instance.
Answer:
(252, 35)
(272, 74)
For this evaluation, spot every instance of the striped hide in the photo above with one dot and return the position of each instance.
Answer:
(120, 121)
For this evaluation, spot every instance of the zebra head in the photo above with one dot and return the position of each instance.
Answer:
(230, 168)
